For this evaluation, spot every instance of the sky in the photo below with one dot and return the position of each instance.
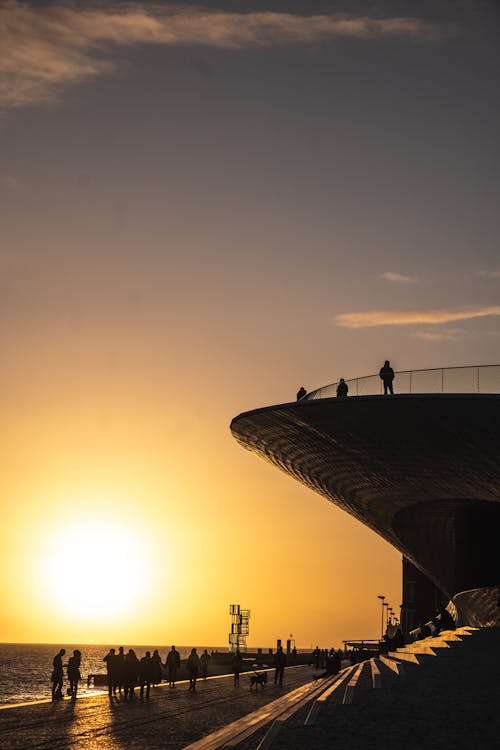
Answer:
(202, 208)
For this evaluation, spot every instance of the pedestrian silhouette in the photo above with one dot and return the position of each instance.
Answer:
(301, 393)
(120, 670)
(57, 676)
(316, 657)
(193, 667)
(131, 674)
(204, 662)
(146, 674)
(387, 376)
(237, 665)
(173, 663)
(157, 665)
(74, 675)
(110, 660)
(279, 665)
(342, 389)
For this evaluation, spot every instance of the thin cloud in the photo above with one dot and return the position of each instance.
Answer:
(437, 336)
(398, 278)
(44, 49)
(489, 274)
(414, 317)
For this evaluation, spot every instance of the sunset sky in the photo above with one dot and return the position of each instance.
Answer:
(202, 208)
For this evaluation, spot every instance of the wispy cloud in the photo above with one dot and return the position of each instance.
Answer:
(490, 274)
(412, 317)
(44, 48)
(451, 334)
(398, 278)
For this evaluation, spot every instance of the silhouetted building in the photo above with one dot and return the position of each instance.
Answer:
(422, 470)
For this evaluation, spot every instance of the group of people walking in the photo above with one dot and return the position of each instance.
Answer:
(125, 671)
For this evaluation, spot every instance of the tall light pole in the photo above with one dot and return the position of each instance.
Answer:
(382, 598)
(386, 605)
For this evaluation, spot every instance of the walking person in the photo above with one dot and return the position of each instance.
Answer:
(193, 667)
(387, 376)
(237, 665)
(110, 660)
(146, 674)
(119, 670)
(57, 676)
(131, 674)
(279, 666)
(157, 665)
(204, 662)
(173, 663)
(74, 675)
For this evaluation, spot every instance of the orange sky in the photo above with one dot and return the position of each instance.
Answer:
(201, 213)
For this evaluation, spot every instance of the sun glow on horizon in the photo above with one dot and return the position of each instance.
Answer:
(95, 570)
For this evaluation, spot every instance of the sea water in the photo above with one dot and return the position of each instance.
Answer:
(25, 668)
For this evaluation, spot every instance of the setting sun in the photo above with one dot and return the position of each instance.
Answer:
(96, 571)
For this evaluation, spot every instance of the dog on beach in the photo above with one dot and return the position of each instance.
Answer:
(258, 678)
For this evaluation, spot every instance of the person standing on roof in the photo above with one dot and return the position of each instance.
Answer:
(387, 376)
(301, 393)
(342, 389)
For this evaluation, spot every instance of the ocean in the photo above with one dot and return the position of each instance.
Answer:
(25, 668)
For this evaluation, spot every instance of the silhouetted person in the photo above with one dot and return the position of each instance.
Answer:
(157, 664)
(120, 669)
(279, 665)
(131, 675)
(204, 662)
(57, 676)
(193, 667)
(110, 660)
(316, 657)
(146, 673)
(173, 663)
(74, 675)
(342, 389)
(237, 665)
(301, 393)
(387, 376)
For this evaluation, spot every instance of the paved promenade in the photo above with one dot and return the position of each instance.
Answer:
(173, 718)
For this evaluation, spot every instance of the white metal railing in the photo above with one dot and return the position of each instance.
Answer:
(469, 379)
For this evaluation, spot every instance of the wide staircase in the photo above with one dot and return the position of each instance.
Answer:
(439, 692)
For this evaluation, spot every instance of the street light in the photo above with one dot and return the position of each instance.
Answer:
(386, 605)
(382, 602)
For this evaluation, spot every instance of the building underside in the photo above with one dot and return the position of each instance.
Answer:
(421, 470)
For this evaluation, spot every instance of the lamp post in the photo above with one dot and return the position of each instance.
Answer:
(382, 598)
(386, 605)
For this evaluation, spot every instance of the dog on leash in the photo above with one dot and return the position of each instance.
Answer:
(258, 678)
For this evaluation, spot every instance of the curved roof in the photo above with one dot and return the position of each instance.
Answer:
(423, 471)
